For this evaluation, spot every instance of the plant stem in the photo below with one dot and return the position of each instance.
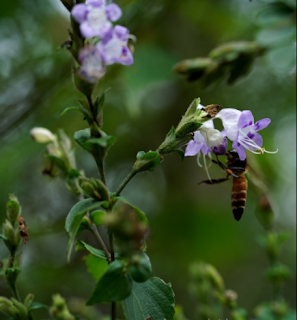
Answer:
(98, 237)
(100, 166)
(113, 311)
(126, 180)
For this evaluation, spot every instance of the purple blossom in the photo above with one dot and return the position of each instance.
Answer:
(247, 136)
(92, 67)
(95, 17)
(114, 47)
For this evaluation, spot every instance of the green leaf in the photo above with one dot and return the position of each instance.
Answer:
(96, 266)
(151, 299)
(75, 217)
(37, 305)
(96, 252)
(273, 14)
(97, 217)
(87, 114)
(114, 285)
(2, 236)
(81, 137)
(106, 141)
(140, 154)
(141, 215)
(100, 102)
(192, 108)
(140, 267)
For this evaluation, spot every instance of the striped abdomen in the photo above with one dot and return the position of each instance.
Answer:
(239, 192)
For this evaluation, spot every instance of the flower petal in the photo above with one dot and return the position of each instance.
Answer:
(96, 3)
(113, 12)
(246, 119)
(240, 150)
(261, 124)
(79, 12)
(208, 124)
(257, 138)
(229, 117)
(221, 149)
(192, 148)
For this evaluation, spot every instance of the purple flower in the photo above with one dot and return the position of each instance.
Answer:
(247, 136)
(240, 128)
(95, 18)
(92, 67)
(114, 47)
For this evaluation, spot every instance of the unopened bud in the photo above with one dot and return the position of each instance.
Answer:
(59, 309)
(94, 188)
(147, 161)
(215, 278)
(11, 237)
(42, 135)
(13, 208)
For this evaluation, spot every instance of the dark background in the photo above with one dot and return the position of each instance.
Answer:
(188, 222)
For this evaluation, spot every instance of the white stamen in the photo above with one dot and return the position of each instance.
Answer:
(198, 161)
(206, 169)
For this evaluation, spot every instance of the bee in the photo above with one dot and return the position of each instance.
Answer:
(23, 229)
(236, 168)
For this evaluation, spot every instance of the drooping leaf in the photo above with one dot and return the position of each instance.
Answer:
(141, 215)
(75, 217)
(114, 285)
(87, 114)
(96, 252)
(151, 299)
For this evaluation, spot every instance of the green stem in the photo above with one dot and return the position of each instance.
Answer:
(124, 183)
(100, 240)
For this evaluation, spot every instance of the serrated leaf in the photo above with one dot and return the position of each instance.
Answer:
(75, 217)
(141, 215)
(151, 299)
(85, 112)
(96, 252)
(114, 285)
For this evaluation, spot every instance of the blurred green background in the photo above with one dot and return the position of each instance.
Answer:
(188, 222)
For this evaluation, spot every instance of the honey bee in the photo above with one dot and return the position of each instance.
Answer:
(236, 168)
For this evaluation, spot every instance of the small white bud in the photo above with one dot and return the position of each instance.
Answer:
(42, 135)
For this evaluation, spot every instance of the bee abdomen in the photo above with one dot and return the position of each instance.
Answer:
(239, 193)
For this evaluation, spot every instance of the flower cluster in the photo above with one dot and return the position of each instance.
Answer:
(239, 127)
(95, 18)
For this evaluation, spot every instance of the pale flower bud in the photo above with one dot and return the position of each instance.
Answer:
(42, 135)
(213, 137)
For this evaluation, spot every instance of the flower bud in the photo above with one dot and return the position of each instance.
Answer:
(230, 299)
(147, 161)
(59, 309)
(12, 239)
(140, 267)
(42, 135)
(13, 208)
(94, 188)
(215, 278)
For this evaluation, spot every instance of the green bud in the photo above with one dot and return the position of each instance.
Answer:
(22, 311)
(230, 299)
(98, 217)
(94, 188)
(148, 161)
(28, 300)
(278, 273)
(12, 237)
(5, 306)
(140, 267)
(13, 209)
(59, 309)
(214, 277)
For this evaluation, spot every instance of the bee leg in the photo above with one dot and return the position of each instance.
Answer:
(237, 168)
(214, 181)
(229, 169)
